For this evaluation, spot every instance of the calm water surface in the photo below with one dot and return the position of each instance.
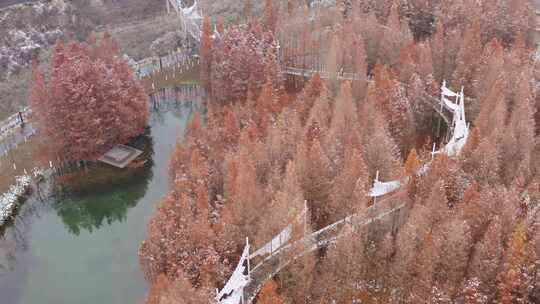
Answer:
(84, 249)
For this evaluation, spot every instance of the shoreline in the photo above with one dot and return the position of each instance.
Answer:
(17, 194)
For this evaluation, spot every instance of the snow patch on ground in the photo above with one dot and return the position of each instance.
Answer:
(10, 199)
(24, 30)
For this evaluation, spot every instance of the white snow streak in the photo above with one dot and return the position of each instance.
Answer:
(233, 291)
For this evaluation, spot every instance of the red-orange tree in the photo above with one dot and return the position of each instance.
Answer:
(90, 102)
(206, 54)
(239, 60)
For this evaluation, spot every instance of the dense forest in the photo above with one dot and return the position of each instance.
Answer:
(270, 142)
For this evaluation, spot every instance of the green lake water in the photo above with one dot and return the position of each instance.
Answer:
(83, 249)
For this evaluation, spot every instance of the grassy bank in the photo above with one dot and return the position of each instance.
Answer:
(23, 158)
(136, 38)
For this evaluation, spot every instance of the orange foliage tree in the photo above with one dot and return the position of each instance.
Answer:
(90, 102)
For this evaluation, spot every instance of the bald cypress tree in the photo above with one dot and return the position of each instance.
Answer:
(269, 294)
(466, 63)
(206, 54)
(90, 103)
(248, 9)
(270, 16)
(518, 141)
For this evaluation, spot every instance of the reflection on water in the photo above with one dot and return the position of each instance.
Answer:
(92, 211)
(14, 238)
(105, 194)
(83, 249)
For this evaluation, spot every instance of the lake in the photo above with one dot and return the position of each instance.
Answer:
(83, 249)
